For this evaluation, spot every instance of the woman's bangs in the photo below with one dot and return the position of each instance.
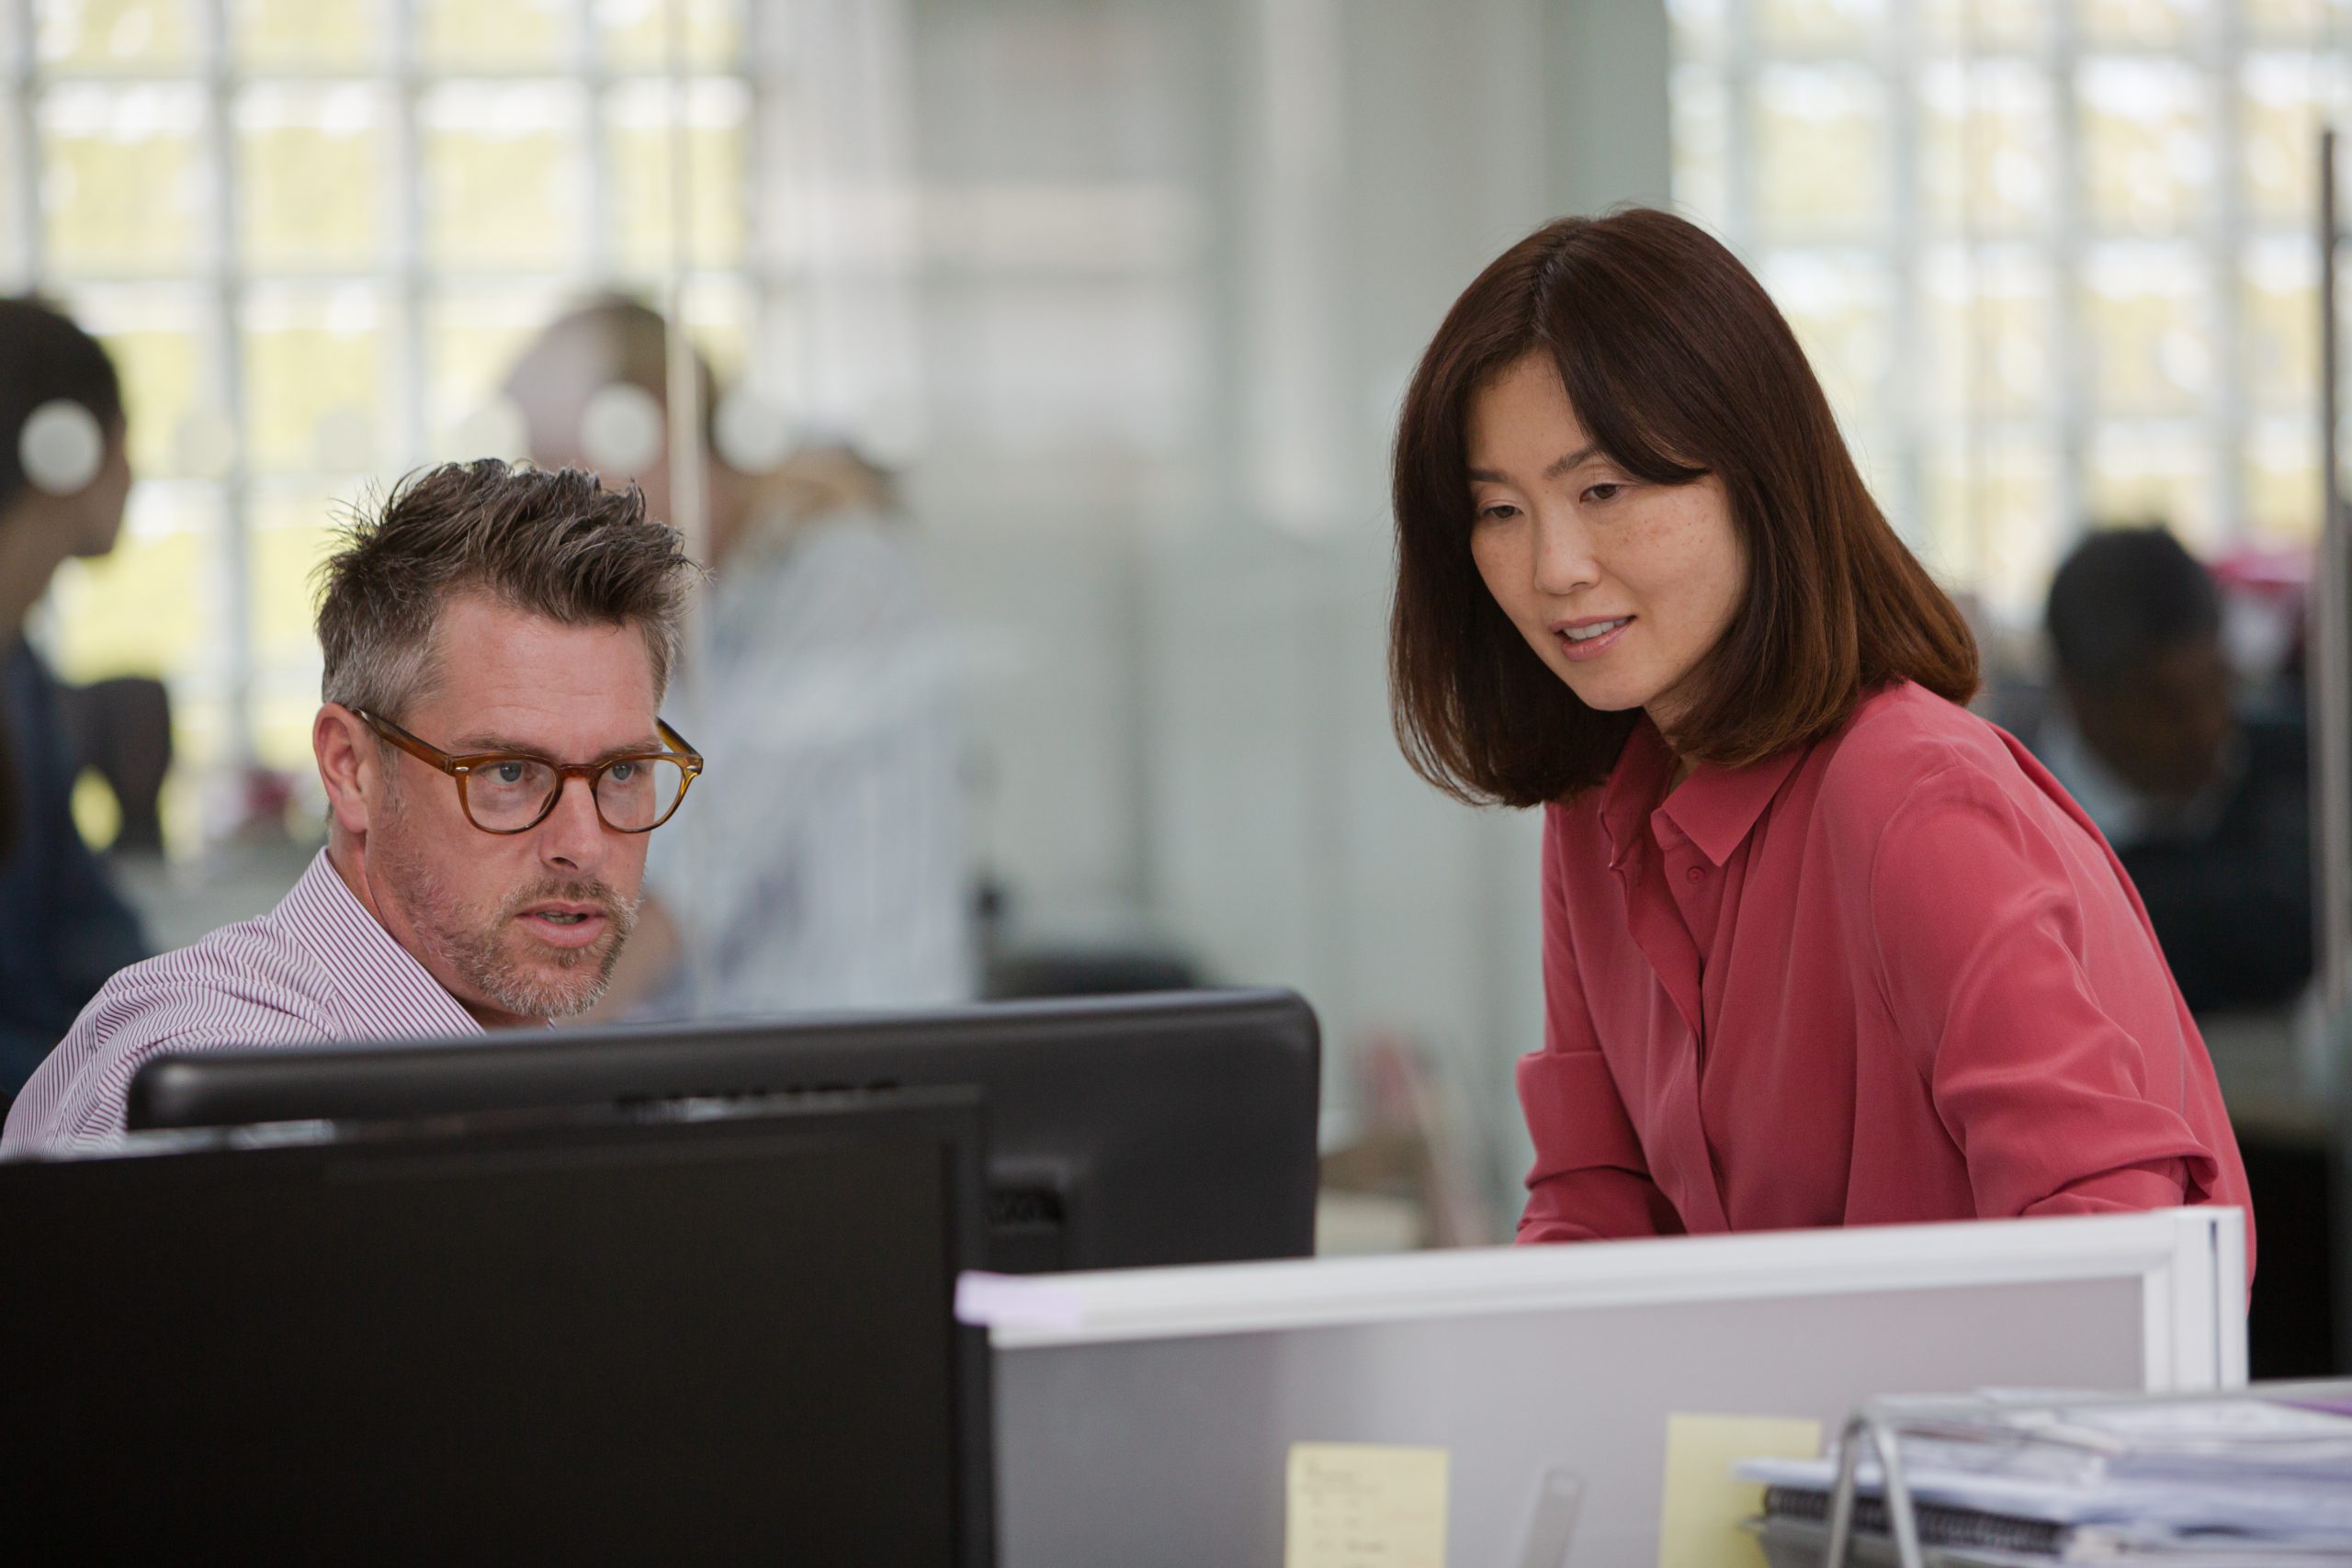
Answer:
(1627, 417)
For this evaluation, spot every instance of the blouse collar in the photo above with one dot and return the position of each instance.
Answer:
(1715, 809)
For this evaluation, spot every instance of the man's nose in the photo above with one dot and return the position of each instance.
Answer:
(573, 836)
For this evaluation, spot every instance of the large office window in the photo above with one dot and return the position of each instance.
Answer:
(313, 233)
(2054, 259)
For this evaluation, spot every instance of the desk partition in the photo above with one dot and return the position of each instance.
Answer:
(1146, 1414)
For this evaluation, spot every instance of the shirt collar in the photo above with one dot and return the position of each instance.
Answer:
(387, 985)
(1715, 809)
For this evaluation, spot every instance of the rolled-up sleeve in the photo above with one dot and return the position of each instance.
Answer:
(1590, 1180)
(1984, 931)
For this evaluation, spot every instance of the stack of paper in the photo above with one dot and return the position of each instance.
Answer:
(2230, 1483)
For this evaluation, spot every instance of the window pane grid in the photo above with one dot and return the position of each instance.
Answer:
(366, 206)
(2094, 227)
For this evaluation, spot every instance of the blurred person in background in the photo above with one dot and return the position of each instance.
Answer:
(826, 869)
(2208, 807)
(64, 476)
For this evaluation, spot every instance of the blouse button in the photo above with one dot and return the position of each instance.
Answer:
(1695, 875)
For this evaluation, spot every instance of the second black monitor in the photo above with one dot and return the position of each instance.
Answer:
(716, 1335)
(1173, 1128)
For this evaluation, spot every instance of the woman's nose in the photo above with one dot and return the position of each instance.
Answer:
(1563, 560)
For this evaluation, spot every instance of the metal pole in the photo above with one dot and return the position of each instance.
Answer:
(2328, 684)
(225, 263)
(2328, 689)
(689, 454)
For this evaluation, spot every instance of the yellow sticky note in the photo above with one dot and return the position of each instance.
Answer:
(1365, 1505)
(1700, 1516)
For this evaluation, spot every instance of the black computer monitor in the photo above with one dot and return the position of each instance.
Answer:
(1171, 1128)
(715, 1337)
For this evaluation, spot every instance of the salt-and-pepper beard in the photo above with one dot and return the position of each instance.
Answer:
(474, 951)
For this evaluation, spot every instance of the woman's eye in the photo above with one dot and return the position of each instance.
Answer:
(1500, 509)
(1601, 491)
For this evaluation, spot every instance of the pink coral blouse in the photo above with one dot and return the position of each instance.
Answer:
(1893, 976)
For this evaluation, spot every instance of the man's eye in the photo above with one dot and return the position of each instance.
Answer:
(1601, 491)
(623, 772)
(508, 773)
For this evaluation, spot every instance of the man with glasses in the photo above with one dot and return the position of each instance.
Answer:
(497, 641)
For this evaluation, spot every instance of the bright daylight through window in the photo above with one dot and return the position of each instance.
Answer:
(314, 234)
(2054, 259)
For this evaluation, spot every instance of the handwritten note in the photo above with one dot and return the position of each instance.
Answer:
(1705, 1502)
(1365, 1505)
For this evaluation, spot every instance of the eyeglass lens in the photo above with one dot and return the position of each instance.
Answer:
(632, 794)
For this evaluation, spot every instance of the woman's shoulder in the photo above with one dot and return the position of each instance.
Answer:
(1899, 739)
(1570, 820)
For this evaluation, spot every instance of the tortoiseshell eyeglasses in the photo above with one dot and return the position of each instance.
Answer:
(635, 792)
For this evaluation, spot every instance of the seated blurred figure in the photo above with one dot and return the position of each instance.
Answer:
(64, 480)
(827, 868)
(2207, 807)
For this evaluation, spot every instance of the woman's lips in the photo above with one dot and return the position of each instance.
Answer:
(578, 932)
(1592, 647)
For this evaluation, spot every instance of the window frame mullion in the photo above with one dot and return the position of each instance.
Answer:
(2228, 223)
(403, 216)
(1901, 250)
(594, 76)
(24, 152)
(2071, 412)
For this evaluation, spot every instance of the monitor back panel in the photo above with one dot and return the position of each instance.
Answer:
(1123, 1132)
(703, 1342)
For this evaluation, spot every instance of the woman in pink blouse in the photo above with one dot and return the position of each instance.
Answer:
(1821, 947)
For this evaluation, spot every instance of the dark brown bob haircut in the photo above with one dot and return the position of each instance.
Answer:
(1680, 365)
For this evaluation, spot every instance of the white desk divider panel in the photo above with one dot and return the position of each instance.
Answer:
(1144, 1416)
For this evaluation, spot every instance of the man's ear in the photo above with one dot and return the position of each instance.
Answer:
(349, 765)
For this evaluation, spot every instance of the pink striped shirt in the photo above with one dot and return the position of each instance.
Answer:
(317, 967)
